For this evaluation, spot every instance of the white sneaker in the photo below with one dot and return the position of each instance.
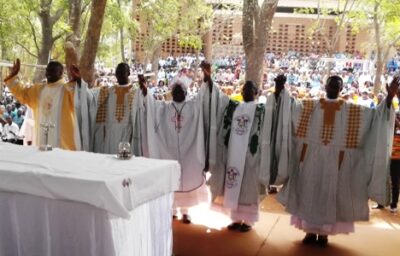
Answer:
(393, 210)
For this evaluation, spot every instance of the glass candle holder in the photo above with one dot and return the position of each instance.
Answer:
(124, 149)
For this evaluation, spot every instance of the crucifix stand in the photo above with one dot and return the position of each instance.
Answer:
(46, 128)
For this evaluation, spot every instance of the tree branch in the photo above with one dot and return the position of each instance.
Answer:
(248, 25)
(56, 16)
(26, 49)
(267, 11)
(85, 6)
(33, 33)
(341, 22)
(55, 38)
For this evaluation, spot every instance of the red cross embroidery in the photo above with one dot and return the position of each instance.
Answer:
(177, 119)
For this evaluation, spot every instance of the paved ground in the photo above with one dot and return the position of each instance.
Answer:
(273, 235)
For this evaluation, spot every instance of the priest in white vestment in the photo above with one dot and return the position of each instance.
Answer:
(66, 105)
(236, 163)
(175, 130)
(239, 148)
(340, 160)
(116, 114)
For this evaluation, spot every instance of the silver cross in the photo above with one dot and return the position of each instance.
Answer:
(46, 128)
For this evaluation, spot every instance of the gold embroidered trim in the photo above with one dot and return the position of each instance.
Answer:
(120, 106)
(353, 126)
(302, 128)
(330, 108)
(102, 109)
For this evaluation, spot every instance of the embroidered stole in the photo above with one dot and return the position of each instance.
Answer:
(238, 145)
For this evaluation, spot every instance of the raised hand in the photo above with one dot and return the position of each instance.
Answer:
(206, 68)
(393, 90)
(75, 73)
(280, 81)
(14, 70)
(142, 84)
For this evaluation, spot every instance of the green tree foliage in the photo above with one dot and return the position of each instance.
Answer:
(118, 19)
(382, 18)
(186, 20)
(21, 30)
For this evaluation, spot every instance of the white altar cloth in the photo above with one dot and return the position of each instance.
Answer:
(117, 186)
(37, 226)
(79, 203)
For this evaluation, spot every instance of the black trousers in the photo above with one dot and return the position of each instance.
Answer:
(395, 177)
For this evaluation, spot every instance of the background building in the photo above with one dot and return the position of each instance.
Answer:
(291, 31)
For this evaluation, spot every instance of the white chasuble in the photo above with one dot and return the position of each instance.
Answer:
(175, 131)
(341, 160)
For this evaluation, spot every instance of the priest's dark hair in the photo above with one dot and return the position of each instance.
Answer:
(333, 86)
(123, 68)
(55, 65)
(54, 71)
(335, 81)
(252, 85)
(280, 80)
(249, 91)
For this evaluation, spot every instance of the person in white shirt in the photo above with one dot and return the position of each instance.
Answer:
(10, 130)
(365, 100)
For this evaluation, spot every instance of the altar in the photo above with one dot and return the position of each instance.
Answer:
(79, 203)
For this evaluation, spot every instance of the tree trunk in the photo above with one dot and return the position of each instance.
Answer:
(154, 61)
(47, 40)
(1, 79)
(379, 69)
(73, 40)
(256, 23)
(255, 66)
(207, 42)
(92, 40)
(43, 59)
(122, 45)
(5, 53)
(121, 34)
(379, 53)
(47, 22)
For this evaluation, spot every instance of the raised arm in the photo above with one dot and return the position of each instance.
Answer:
(142, 85)
(206, 68)
(393, 90)
(25, 95)
(279, 85)
(14, 70)
(75, 75)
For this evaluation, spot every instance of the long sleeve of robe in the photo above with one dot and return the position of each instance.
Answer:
(276, 140)
(215, 104)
